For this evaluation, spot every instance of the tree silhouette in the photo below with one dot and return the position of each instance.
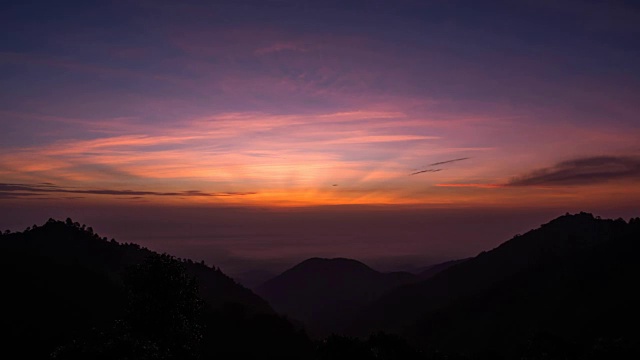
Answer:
(164, 306)
(162, 319)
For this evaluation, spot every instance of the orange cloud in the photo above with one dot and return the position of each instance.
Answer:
(291, 159)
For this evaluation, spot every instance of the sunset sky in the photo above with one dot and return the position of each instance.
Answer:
(117, 110)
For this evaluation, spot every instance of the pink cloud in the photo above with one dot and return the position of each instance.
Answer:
(279, 47)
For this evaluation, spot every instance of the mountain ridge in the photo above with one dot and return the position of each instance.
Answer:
(69, 241)
(565, 289)
(324, 292)
(554, 264)
(67, 291)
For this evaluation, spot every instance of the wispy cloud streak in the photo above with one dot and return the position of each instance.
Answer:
(425, 171)
(30, 189)
(437, 163)
(447, 161)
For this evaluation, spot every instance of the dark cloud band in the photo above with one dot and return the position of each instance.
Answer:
(582, 171)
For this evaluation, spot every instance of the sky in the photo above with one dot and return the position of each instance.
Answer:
(318, 127)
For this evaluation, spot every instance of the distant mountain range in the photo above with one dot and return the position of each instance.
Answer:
(252, 279)
(566, 290)
(563, 289)
(432, 270)
(324, 293)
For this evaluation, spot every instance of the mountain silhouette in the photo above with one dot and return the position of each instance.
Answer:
(323, 293)
(430, 271)
(252, 279)
(564, 290)
(66, 293)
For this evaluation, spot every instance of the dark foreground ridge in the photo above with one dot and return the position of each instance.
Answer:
(566, 290)
(563, 291)
(70, 294)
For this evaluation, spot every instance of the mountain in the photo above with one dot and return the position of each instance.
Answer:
(564, 290)
(432, 270)
(323, 293)
(251, 279)
(65, 287)
(70, 243)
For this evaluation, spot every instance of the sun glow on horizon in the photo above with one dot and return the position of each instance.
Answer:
(354, 157)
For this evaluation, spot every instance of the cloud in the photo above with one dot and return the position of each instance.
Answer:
(30, 189)
(425, 171)
(75, 66)
(470, 185)
(437, 163)
(379, 139)
(279, 155)
(582, 171)
(448, 161)
(281, 46)
(12, 195)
